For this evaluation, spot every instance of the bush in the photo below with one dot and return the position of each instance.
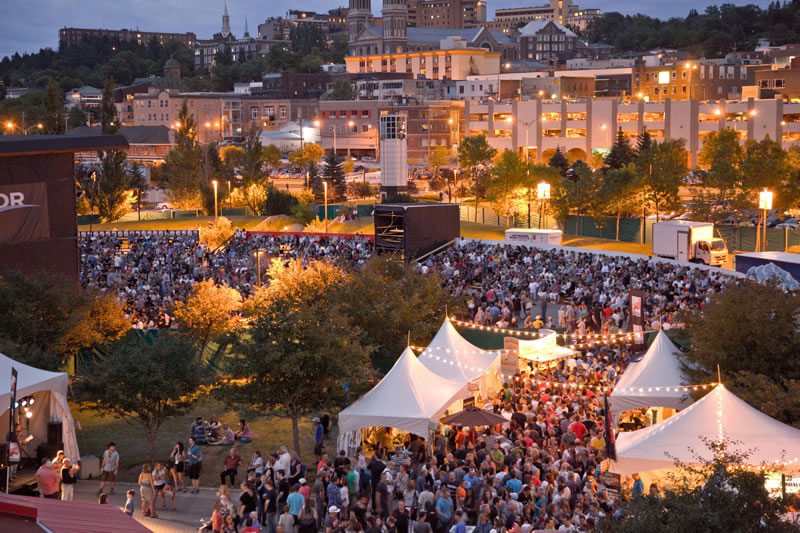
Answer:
(279, 202)
(303, 213)
(400, 198)
(215, 234)
(361, 189)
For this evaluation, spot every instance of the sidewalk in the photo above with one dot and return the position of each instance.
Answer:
(193, 509)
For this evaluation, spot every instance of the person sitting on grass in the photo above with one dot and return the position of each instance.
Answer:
(227, 437)
(243, 435)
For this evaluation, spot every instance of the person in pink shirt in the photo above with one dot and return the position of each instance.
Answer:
(49, 480)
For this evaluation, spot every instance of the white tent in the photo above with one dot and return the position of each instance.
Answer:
(453, 357)
(654, 381)
(409, 397)
(49, 390)
(719, 414)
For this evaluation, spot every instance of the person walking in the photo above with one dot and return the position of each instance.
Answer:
(195, 460)
(159, 484)
(109, 467)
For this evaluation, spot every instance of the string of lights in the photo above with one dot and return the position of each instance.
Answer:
(536, 334)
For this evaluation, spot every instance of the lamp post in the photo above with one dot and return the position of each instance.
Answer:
(325, 186)
(350, 125)
(215, 201)
(25, 131)
(764, 204)
(230, 204)
(258, 266)
(543, 194)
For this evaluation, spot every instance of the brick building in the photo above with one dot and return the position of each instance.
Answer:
(70, 36)
(700, 80)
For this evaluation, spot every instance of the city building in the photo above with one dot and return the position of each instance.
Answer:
(70, 36)
(456, 14)
(394, 36)
(581, 127)
(16, 92)
(783, 82)
(123, 96)
(701, 80)
(394, 147)
(241, 49)
(451, 62)
(219, 116)
(147, 145)
(607, 82)
(86, 97)
(353, 126)
(546, 40)
(562, 11)
(397, 90)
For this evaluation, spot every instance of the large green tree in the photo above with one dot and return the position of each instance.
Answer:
(474, 159)
(142, 384)
(300, 348)
(577, 192)
(622, 153)
(254, 178)
(53, 108)
(722, 156)
(182, 171)
(508, 175)
(750, 331)
(114, 181)
(333, 173)
(661, 169)
(620, 192)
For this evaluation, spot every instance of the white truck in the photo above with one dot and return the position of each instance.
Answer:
(686, 240)
(534, 236)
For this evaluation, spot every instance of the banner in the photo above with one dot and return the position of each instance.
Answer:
(636, 319)
(23, 213)
(611, 447)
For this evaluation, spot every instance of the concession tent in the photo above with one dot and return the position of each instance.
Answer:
(49, 390)
(452, 357)
(410, 397)
(654, 381)
(718, 414)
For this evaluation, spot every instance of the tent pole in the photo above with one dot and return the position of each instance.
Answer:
(719, 376)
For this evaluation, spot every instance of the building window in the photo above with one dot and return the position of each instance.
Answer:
(254, 112)
(283, 111)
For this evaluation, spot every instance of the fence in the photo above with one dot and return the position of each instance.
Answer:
(141, 233)
(739, 238)
(364, 210)
(166, 214)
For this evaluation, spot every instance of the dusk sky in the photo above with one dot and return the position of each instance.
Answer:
(29, 25)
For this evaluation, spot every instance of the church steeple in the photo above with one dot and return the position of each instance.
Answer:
(226, 22)
(246, 33)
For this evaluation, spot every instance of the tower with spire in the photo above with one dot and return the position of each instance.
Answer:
(246, 32)
(226, 21)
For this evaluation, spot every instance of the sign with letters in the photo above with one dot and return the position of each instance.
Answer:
(23, 213)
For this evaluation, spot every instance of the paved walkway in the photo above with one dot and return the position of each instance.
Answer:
(193, 509)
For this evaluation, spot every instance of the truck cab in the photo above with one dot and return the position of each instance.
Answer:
(711, 252)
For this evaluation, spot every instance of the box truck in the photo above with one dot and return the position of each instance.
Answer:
(686, 240)
(782, 266)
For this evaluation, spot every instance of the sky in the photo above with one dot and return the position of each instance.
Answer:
(28, 25)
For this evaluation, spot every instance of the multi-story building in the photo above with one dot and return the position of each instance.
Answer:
(219, 116)
(147, 145)
(606, 82)
(546, 40)
(453, 62)
(702, 80)
(397, 89)
(782, 81)
(275, 29)
(581, 127)
(86, 97)
(353, 126)
(454, 14)
(561, 11)
(70, 36)
(396, 36)
(241, 49)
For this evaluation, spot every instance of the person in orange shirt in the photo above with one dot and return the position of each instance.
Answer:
(460, 438)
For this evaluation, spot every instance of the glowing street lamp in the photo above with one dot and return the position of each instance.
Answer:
(325, 186)
(215, 202)
(764, 204)
(258, 266)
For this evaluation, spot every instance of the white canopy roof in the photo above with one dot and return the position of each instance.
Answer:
(719, 414)
(31, 380)
(452, 357)
(409, 397)
(654, 381)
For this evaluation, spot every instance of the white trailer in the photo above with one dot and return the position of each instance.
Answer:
(534, 236)
(686, 240)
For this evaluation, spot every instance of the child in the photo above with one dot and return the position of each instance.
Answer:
(129, 505)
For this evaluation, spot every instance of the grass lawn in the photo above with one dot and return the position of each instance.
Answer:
(269, 433)
(172, 224)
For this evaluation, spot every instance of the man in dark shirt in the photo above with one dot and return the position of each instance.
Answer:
(247, 501)
(269, 498)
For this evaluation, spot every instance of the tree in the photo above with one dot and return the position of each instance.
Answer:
(387, 299)
(559, 161)
(306, 37)
(315, 182)
(750, 331)
(474, 157)
(103, 322)
(278, 202)
(660, 170)
(254, 179)
(232, 155)
(183, 173)
(271, 155)
(310, 153)
(722, 157)
(214, 168)
(508, 175)
(577, 191)
(619, 191)
(300, 348)
(621, 153)
(765, 164)
(528, 189)
(53, 108)
(76, 117)
(208, 312)
(716, 496)
(334, 175)
(342, 90)
(151, 383)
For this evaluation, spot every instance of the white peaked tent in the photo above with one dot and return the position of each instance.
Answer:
(719, 414)
(453, 357)
(49, 390)
(654, 381)
(409, 397)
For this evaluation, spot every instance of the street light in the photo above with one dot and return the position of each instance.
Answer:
(543, 194)
(215, 201)
(325, 186)
(605, 129)
(765, 204)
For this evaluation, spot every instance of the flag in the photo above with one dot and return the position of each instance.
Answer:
(611, 448)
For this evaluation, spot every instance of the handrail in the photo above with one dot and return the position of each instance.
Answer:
(435, 250)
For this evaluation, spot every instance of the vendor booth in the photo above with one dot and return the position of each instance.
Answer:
(654, 381)
(48, 390)
(718, 415)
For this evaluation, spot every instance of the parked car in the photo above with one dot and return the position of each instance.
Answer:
(791, 223)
